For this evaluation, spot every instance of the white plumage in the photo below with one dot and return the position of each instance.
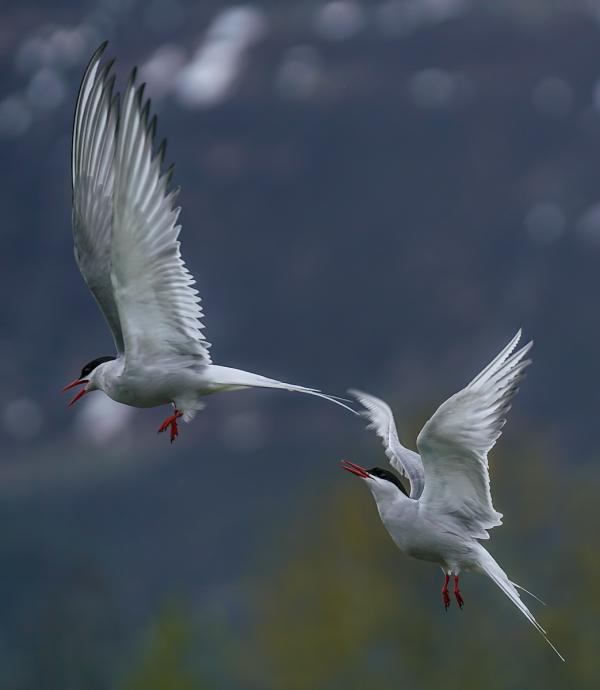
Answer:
(450, 505)
(126, 245)
(381, 420)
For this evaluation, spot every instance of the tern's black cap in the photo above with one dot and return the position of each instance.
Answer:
(90, 366)
(390, 476)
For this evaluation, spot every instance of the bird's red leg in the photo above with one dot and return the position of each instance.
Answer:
(445, 595)
(171, 422)
(457, 596)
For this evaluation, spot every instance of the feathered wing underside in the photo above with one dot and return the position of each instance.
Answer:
(93, 150)
(381, 420)
(160, 310)
(455, 442)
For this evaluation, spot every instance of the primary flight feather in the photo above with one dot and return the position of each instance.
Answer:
(449, 507)
(126, 234)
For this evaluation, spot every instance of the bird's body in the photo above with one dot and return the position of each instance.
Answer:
(151, 385)
(449, 508)
(183, 384)
(426, 538)
(127, 248)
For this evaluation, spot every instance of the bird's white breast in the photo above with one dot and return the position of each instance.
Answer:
(420, 537)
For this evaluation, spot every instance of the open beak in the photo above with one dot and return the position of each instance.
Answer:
(82, 392)
(77, 382)
(355, 469)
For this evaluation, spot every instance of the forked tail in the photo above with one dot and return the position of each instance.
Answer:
(489, 567)
(237, 378)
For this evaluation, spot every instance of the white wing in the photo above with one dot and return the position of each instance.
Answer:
(94, 144)
(455, 442)
(160, 311)
(405, 461)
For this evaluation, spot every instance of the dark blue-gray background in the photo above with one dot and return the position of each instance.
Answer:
(374, 194)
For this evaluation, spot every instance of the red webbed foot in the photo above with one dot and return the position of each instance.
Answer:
(457, 596)
(171, 422)
(445, 595)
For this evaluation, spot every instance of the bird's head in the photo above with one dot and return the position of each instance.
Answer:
(383, 483)
(87, 378)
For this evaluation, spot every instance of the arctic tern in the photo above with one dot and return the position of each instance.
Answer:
(126, 246)
(449, 507)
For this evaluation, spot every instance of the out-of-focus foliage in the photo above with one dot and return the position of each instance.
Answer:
(346, 610)
(324, 618)
(326, 601)
(167, 657)
(335, 605)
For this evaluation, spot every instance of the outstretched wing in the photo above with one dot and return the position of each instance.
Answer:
(381, 420)
(94, 145)
(159, 309)
(455, 442)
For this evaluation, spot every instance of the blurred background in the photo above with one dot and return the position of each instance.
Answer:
(375, 194)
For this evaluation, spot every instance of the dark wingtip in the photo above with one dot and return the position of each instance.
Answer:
(151, 129)
(145, 113)
(140, 94)
(162, 149)
(99, 51)
(116, 104)
(108, 67)
(170, 169)
(110, 85)
(132, 76)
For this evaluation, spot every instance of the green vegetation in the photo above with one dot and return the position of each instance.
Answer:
(167, 658)
(333, 604)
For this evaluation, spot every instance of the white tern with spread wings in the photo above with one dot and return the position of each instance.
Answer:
(127, 249)
(449, 507)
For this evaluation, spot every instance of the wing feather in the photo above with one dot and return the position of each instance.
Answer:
(160, 310)
(455, 442)
(94, 144)
(381, 420)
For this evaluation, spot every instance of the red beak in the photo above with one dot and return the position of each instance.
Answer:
(355, 469)
(82, 392)
(77, 382)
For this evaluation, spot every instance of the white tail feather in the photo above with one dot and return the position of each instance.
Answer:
(531, 594)
(489, 567)
(246, 379)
